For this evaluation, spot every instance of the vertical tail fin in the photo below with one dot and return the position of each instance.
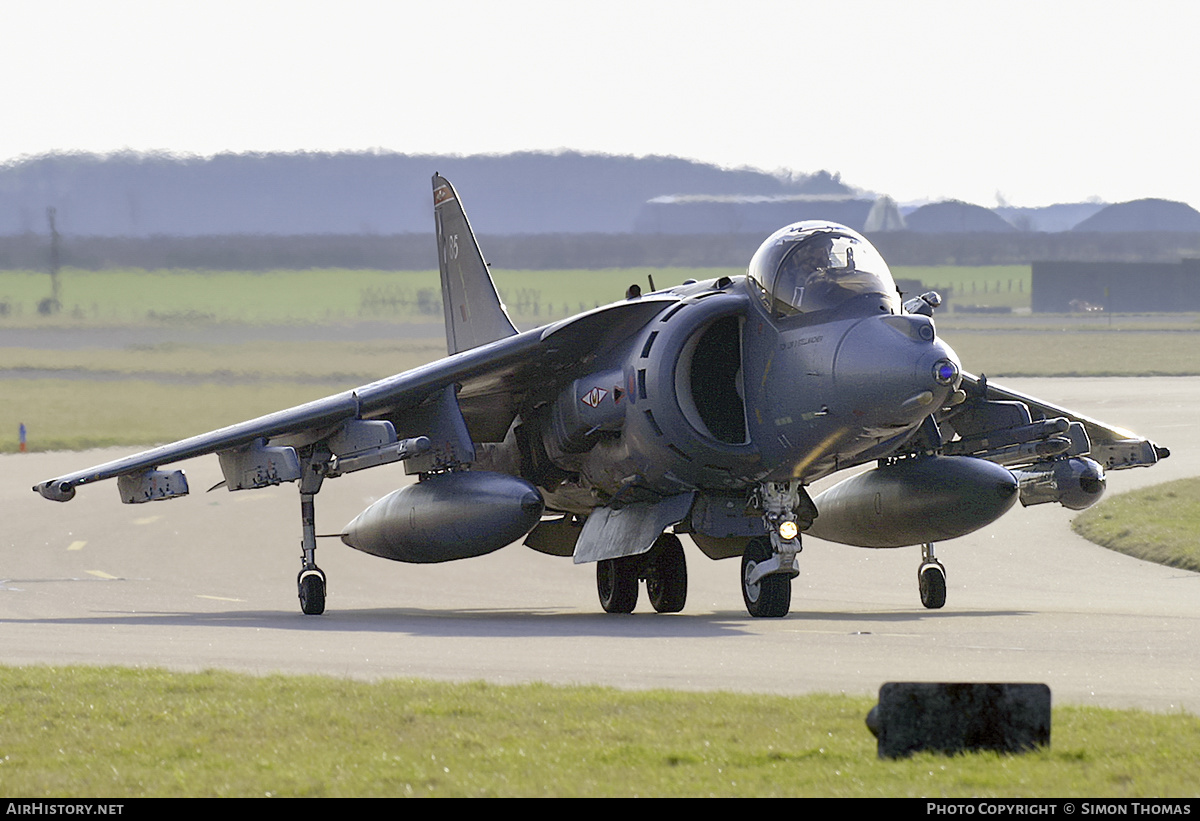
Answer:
(474, 313)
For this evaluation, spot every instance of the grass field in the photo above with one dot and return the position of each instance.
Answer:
(337, 295)
(1076, 352)
(137, 396)
(1158, 524)
(65, 414)
(992, 286)
(123, 297)
(326, 361)
(120, 733)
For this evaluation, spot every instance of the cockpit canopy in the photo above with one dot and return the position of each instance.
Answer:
(816, 266)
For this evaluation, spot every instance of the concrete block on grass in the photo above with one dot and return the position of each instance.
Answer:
(953, 718)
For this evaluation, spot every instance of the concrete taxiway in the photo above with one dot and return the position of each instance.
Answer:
(209, 582)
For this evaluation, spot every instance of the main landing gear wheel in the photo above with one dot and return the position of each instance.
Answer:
(617, 583)
(931, 578)
(312, 591)
(666, 577)
(770, 596)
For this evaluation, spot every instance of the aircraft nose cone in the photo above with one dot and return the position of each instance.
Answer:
(895, 369)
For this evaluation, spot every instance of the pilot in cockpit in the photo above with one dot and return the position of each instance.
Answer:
(813, 273)
(812, 267)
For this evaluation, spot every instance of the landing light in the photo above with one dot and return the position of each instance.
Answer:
(788, 530)
(945, 372)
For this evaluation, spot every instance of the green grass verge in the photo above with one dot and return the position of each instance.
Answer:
(161, 393)
(86, 732)
(1075, 352)
(333, 362)
(134, 296)
(75, 414)
(1158, 524)
(991, 286)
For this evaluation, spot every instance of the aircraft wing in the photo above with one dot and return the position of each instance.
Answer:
(1114, 448)
(491, 380)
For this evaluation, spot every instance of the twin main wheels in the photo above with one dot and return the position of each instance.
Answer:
(663, 568)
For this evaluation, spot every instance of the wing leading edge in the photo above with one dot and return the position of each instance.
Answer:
(1113, 448)
(493, 379)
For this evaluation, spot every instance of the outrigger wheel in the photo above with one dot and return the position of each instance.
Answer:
(931, 578)
(311, 583)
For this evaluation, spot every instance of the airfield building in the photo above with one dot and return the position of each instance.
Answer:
(746, 214)
(1060, 287)
(1143, 215)
(956, 217)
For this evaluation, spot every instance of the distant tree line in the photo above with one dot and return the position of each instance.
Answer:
(550, 251)
(287, 194)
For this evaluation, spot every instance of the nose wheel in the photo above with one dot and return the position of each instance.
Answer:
(767, 596)
(931, 579)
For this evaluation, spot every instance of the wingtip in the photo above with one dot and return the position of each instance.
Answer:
(56, 490)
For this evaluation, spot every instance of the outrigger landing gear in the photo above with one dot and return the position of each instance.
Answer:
(931, 578)
(311, 581)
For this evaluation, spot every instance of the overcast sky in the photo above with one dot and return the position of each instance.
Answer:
(1034, 102)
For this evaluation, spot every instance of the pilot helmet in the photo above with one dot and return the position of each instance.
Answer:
(816, 266)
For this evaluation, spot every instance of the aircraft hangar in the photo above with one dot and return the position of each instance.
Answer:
(1061, 287)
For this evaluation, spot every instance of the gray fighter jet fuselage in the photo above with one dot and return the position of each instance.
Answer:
(704, 409)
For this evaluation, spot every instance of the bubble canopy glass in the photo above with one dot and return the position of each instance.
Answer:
(817, 266)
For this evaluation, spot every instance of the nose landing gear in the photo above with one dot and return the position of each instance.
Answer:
(769, 561)
(768, 596)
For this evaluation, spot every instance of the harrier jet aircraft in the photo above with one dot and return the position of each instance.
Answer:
(705, 409)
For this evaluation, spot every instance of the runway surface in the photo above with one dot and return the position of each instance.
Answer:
(209, 582)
